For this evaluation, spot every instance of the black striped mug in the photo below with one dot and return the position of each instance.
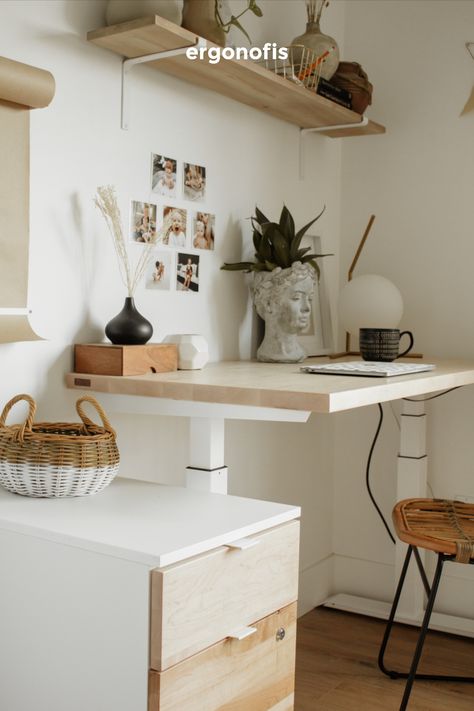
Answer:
(382, 344)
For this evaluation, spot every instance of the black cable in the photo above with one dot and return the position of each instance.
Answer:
(431, 397)
(367, 472)
(372, 447)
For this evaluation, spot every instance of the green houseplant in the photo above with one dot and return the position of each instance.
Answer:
(233, 21)
(283, 279)
(277, 244)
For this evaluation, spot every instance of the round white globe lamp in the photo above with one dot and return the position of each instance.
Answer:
(369, 301)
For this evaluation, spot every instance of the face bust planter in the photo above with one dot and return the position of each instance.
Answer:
(283, 298)
(284, 277)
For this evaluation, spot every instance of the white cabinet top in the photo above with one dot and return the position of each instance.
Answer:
(143, 522)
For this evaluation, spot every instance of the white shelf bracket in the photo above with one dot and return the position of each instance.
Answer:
(336, 127)
(127, 65)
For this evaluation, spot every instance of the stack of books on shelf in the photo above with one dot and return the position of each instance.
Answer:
(334, 93)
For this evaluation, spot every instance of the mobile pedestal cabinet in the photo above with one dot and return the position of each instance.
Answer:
(147, 597)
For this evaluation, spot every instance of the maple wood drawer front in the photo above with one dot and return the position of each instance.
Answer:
(253, 674)
(203, 600)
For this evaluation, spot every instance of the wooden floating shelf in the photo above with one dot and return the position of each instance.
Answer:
(241, 80)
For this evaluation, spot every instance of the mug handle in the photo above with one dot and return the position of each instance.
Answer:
(410, 336)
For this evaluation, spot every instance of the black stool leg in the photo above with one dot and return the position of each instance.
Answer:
(388, 629)
(423, 631)
(431, 595)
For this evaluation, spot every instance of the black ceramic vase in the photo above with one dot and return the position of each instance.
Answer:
(129, 327)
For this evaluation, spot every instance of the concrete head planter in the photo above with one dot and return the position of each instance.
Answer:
(282, 299)
(284, 276)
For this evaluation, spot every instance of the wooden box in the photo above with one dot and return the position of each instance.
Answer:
(110, 359)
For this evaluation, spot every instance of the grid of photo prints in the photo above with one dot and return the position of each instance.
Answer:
(177, 221)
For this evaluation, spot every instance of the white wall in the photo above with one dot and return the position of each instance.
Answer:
(417, 179)
(76, 145)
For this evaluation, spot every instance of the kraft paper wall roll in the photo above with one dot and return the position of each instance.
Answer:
(14, 205)
(14, 328)
(25, 85)
(22, 87)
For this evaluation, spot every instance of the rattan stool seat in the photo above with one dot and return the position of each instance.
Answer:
(447, 528)
(438, 525)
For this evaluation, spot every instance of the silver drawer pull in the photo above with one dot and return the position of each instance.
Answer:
(242, 633)
(243, 543)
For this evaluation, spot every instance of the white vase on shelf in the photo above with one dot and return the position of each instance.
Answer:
(118, 11)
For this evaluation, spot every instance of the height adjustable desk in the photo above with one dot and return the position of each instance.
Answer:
(280, 392)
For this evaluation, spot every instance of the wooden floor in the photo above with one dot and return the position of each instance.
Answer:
(337, 666)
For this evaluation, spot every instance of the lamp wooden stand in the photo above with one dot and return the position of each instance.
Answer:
(348, 351)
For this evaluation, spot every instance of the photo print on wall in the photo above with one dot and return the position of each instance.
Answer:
(187, 272)
(163, 175)
(194, 181)
(174, 227)
(160, 271)
(142, 222)
(203, 230)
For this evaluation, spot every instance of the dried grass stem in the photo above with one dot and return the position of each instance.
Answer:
(106, 201)
(314, 9)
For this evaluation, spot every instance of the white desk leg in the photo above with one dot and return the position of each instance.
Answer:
(411, 483)
(207, 471)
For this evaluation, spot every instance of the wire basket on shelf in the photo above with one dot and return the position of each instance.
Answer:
(57, 459)
(302, 67)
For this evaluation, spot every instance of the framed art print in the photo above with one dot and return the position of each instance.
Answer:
(317, 339)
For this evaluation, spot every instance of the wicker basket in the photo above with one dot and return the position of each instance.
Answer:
(57, 459)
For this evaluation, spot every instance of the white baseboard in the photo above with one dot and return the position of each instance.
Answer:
(315, 585)
(376, 608)
(369, 586)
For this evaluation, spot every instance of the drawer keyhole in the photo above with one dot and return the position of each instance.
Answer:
(280, 634)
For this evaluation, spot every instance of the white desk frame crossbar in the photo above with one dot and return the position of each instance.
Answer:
(207, 470)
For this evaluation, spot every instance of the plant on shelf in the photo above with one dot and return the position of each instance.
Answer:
(284, 277)
(226, 25)
(277, 244)
(213, 19)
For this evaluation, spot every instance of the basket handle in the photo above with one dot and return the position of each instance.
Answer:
(27, 426)
(88, 423)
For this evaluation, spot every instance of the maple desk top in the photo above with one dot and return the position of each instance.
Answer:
(279, 385)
